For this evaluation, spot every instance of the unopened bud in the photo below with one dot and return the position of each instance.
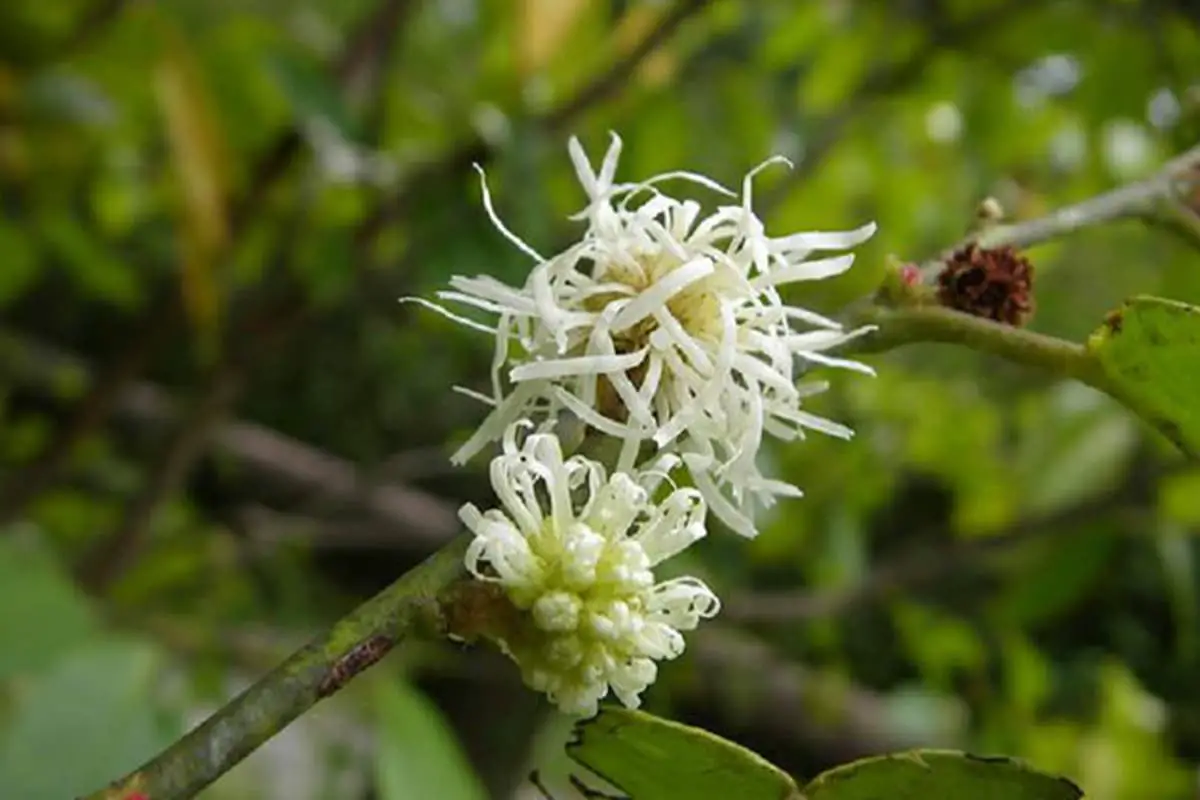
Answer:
(989, 210)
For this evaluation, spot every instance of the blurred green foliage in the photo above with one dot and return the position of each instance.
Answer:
(200, 194)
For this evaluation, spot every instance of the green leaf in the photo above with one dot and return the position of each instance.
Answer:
(96, 269)
(89, 718)
(200, 160)
(938, 775)
(1150, 350)
(418, 755)
(45, 615)
(649, 758)
(1059, 577)
(19, 260)
(1179, 497)
(310, 91)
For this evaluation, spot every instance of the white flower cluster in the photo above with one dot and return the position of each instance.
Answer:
(661, 326)
(582, 569)
(664, 329)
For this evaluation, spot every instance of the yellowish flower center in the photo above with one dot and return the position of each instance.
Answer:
(697, 307)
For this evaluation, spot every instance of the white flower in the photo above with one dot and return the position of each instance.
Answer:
(576, 550)
(664, 326)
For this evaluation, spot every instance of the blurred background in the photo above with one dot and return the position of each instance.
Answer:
(220, 430)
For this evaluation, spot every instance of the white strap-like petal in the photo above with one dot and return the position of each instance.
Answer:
(500, 226)
(550, 369)
(800, 244)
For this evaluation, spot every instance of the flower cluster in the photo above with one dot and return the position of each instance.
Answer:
(582, 569)
(666, 328)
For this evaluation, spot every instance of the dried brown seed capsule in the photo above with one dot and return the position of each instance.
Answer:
(995, 283)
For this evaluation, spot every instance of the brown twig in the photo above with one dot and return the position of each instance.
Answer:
(918, 568)
(112, 555)
(264, 325)
(800, 706)
(877, 83)
(268, 170)
(95, 406)
(367, 48)
(477, 151)
(411, 517)
(884, 80)
(89, 412)
(607, 83)
(93, 21)
(366, 52)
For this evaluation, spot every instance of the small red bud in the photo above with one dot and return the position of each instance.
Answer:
(137, 796)
(910, 274)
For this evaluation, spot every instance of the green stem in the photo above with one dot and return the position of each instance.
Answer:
(927, 323)
(1135, 200)
(908, 325)
(1155, 200)
(415, 606)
